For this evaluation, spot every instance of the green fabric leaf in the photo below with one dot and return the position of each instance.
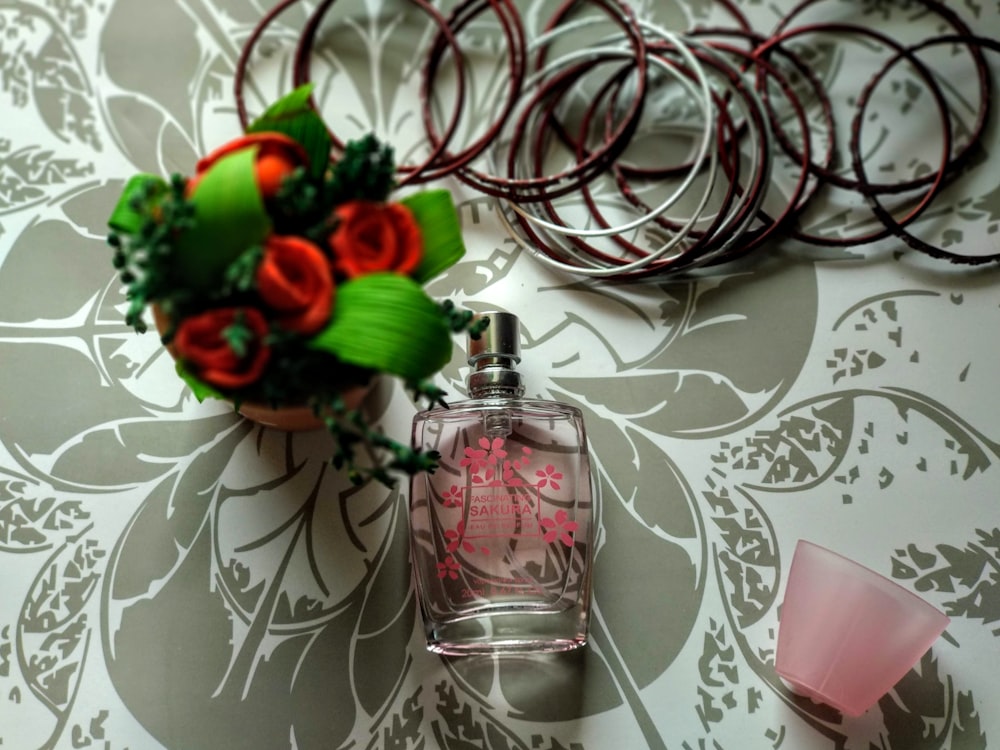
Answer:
(386, 322)
(131, 211)
(229, 218)
(441, 229)
(294, 116)
(200, 390)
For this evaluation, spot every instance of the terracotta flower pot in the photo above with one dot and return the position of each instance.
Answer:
(292, 418)
(289, 418)
(296, 418)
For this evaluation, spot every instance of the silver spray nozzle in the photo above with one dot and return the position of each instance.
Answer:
(494, 355)
(502, 338)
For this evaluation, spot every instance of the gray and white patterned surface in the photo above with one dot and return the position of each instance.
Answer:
(174, 577)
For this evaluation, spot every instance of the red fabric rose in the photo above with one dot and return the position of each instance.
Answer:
(294, 279)
(201, 343)
(277, 157)
(371, 237)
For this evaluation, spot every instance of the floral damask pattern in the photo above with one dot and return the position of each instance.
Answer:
(171, 576)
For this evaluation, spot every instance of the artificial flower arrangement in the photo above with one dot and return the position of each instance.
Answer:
(281, 277)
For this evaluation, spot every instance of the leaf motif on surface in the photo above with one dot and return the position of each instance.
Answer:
(469, 276)
(736, 329)
(966, 731)
(83, 363)
(233, 611)
(747, 560)
(133, 62)
(91, 733)
(161, 534)
(813, 439)
(714, 356)
(6, 649)
(149, 448)
(53, 634)
(387, 618)
(623, 583)
(672, 406)
(39, 64)
(461, 726)
(965, 580)
(32, 518)
(363, 66)
(259, 599)
(159, 586)
(45, 92)
(30, 172)
(136, 118)
(751, 584)
(723, 696)
(402, 729)
(53, 242)
(801, 451)
(562, 688)
(924, 711)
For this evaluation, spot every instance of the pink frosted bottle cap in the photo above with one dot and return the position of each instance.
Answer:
(848, 634)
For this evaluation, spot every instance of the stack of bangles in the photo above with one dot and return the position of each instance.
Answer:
(572, 131)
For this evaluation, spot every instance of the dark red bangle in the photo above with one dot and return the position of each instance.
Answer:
(708, 240)
(550, 85)
(726, 132)
(784, 31)
(894, 225)
(934, 180)
(302, 75)
(243, 61)
(513, 31)
(800, 195)
(537, 115)
(722, 228)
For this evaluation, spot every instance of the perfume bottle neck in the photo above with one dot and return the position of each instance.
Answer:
(494, 354)
(495, 377)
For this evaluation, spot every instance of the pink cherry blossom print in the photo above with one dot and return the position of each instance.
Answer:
(496, 448)
(483, 461)
(452, 498)
(448, 568)
(559, 528)
(456, 539)
(509, 477)
(475, 459)
(549, 477)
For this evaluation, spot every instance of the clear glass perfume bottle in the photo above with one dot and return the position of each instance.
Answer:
(502, 533)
